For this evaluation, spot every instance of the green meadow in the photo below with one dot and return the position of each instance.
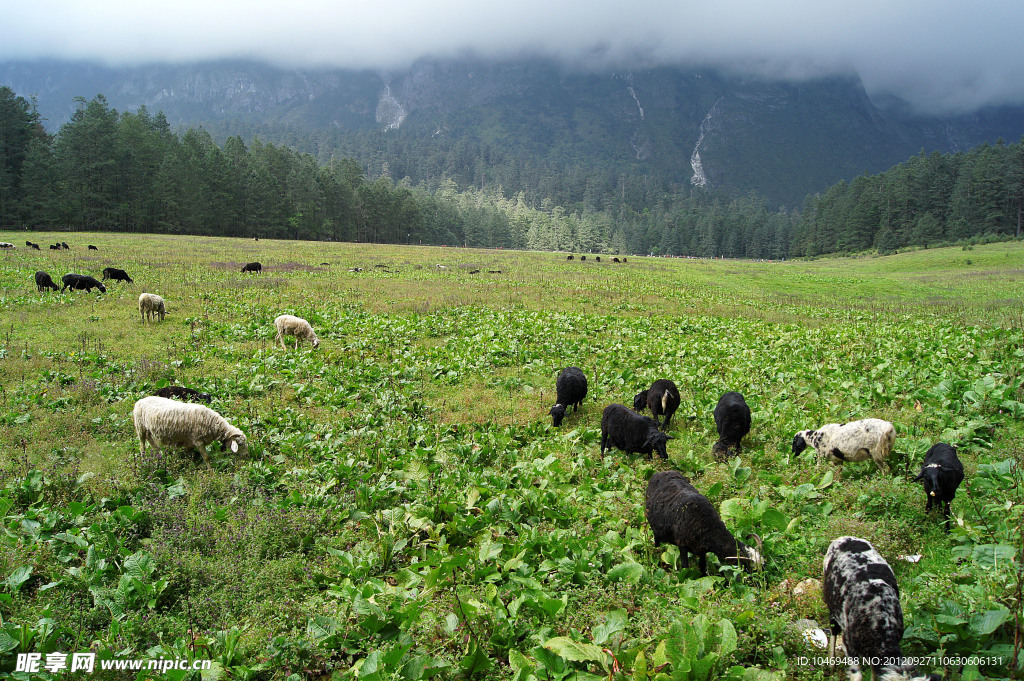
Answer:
(406, 510)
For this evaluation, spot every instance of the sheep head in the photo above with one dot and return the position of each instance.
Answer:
(557, 414)
(238, 444)
(640, 401)
(656, 440)
(799, 442)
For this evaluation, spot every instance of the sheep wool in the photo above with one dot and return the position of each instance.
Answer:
(855, 441)
(163, 422)
(290, 325)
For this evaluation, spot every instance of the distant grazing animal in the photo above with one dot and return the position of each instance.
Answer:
(732, 419)
(5, 245)
(474, 271)
(583, 257)
(181, 393)
(623, 428)
(290, 325)
(569, 257)
(615, 259)
(855, 441)
(494, 271)
(598, 258)
(65, 246)
(35, 246)
(151, 305)
(662, 398)
(252, 267)
(116, 274)
(81, 282)
(28, 243)
(942, 474)
(43, 281)
(162, 422)
(624, 260)
(93, 248)
(570, 388)
(679, 514)
(54, 247)
(863, 600)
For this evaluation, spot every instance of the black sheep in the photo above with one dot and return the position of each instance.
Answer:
(181, 393)
(624, 429)
(54, 247)
(252, 267)
(679, 514)
(35, 246)
(81, 282)
(662, 398)
(732, 419)
(116, 275)
(863, 601)
(942, 474)
(571, 388)
(64, 246)
(569, 257)
(93, 248)
(43, 281)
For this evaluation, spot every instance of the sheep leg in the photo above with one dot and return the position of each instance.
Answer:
(702, 561)
(684, 557)
(947, 517)
(206, 457)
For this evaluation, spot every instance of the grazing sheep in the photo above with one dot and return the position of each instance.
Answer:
(570, 388)
(863, 602)
(569, 257)
(64, 246)
(43, 281)
(81, 282)
(6, 245)
(252, 267)
(854, 441)
(93, 248)
(54, 247)
(615, 259)
(624, 259)
(151, 305)
(180, 393)
(289, 325)
(942, 473)
(116, 275)
(598, 258)
(35, 246)
(662, 398)
(583, 258)
(732, 419)
(631, 432)
(163, 422)
(29, 244)
(679, 514)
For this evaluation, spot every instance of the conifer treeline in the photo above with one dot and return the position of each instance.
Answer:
(110, 171)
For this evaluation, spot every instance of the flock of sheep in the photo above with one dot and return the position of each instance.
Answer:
(858, 586)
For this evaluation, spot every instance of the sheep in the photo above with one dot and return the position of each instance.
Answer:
(854, 441)
(163, 422)
(615, 259)
(180, 393)
(583, 258)
(598, 258)
(35, 247)
(43, 281)
(289, 325)
(631, 432)
(54, 247)
(863, 600)
(151, 305)
(64, 246)
(678, 514)
(116, 275)
(6, 246)
(569, 257)
(81, 282)
(29, 244)
(252, 267)
(570, 388)
(93, 248)
(662, 398)
(732, 419)
(942, 474)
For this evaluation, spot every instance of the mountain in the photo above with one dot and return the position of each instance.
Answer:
(671, 125)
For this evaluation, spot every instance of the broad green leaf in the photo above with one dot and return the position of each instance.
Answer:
(576, 651)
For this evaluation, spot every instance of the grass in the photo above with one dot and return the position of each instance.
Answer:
(407, 511)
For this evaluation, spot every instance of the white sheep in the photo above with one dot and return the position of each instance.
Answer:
(854, 441)
(163, 422)
(290, 325)
(151, 305)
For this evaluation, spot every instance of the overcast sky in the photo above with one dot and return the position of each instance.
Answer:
(942, 55)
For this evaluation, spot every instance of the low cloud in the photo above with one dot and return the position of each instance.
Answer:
(941, 55)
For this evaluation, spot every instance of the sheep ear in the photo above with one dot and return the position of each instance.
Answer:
(234, 446)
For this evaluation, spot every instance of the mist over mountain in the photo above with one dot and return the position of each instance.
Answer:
(680, 126)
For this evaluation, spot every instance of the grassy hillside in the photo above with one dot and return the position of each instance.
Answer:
(407, 510)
